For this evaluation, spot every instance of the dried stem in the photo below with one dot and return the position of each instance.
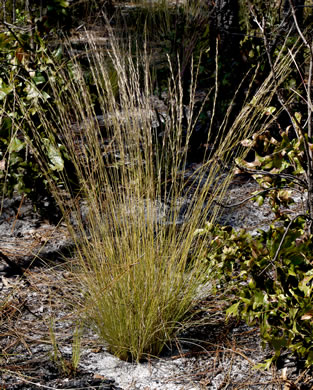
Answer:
(272, 262)
(229, 206)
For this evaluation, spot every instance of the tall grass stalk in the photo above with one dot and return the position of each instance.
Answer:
(135, 210)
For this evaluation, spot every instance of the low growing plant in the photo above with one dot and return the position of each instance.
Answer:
(276, 296)
(279, 293)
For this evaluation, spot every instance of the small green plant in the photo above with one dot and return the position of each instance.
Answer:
(65, 366)
(76, 346)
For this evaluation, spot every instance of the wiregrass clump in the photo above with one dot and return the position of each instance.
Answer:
(141, 204)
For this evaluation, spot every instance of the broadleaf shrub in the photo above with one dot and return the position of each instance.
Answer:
(270, 273)
(276, 297)
(27, 63)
